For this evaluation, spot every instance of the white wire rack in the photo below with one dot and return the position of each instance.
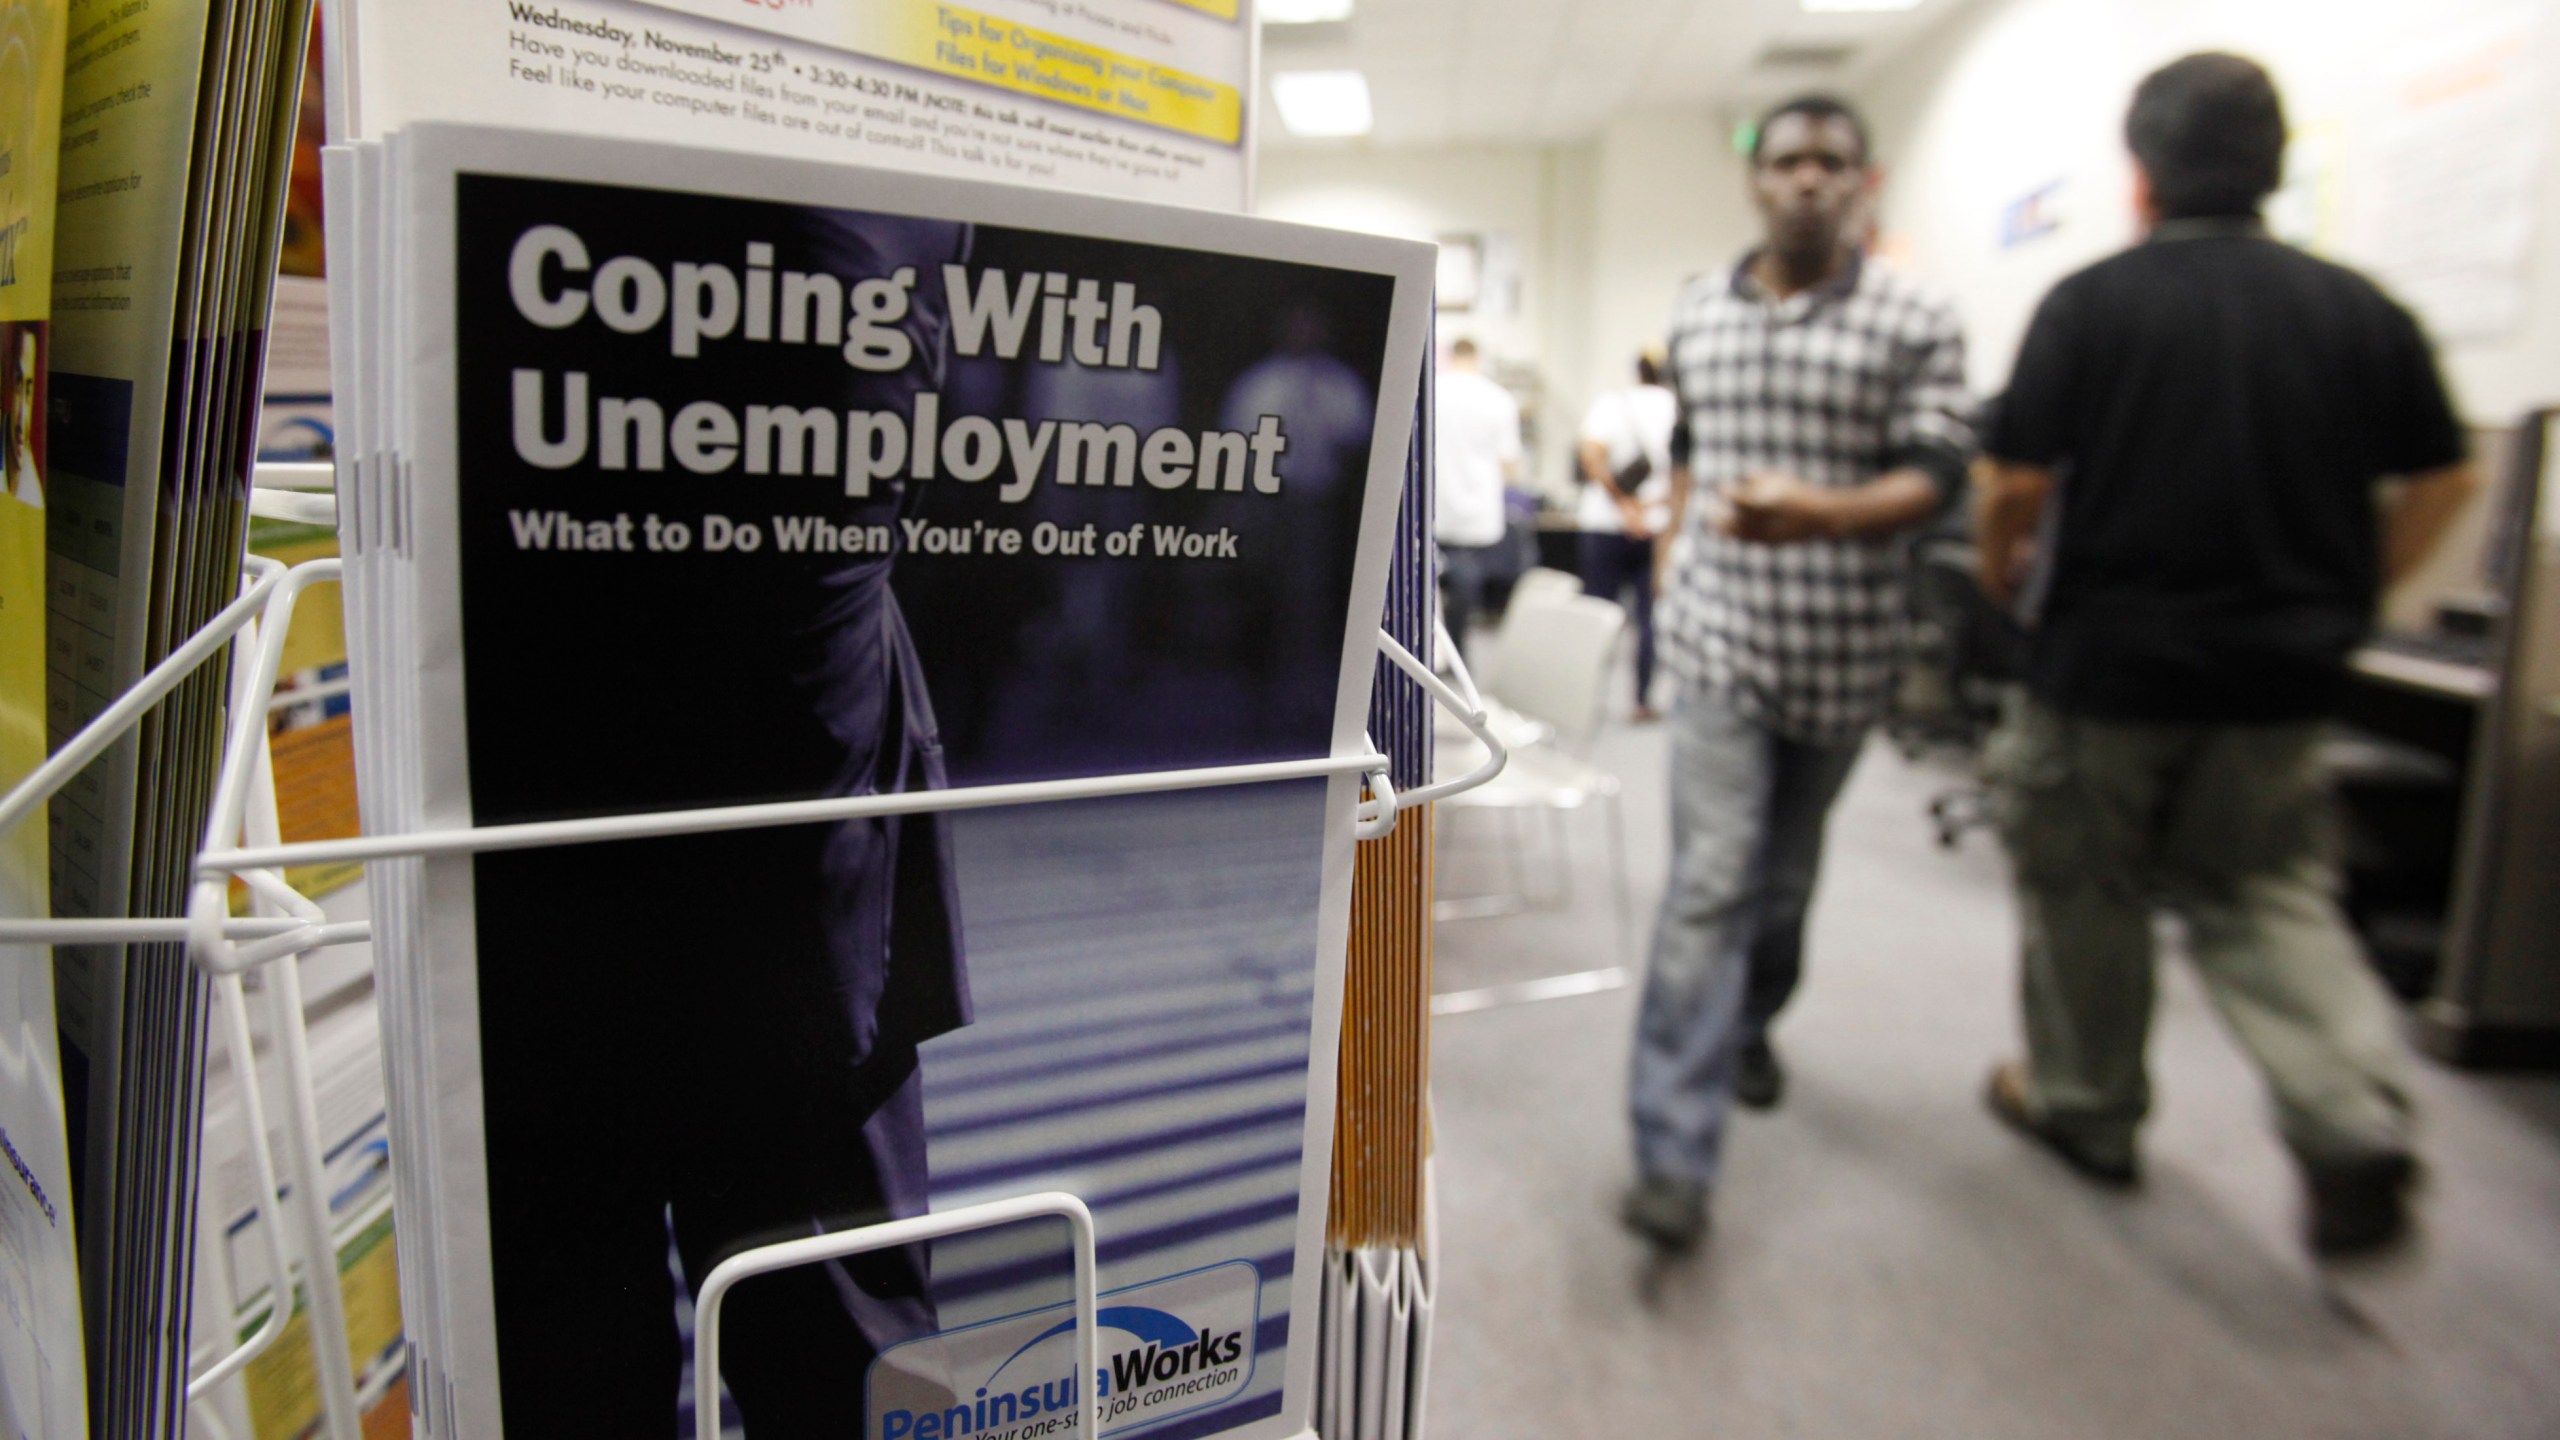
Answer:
(242, 841)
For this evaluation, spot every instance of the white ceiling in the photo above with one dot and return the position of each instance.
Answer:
(1460, 72)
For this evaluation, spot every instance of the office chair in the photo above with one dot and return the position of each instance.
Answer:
(1544, 695)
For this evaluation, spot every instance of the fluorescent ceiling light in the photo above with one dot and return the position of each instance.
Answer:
(1322, 102)
(1859, 6)
(1303, 12)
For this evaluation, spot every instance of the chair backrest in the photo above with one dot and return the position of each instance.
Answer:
(1557, 647)
(1984, 641)
(1539, 583)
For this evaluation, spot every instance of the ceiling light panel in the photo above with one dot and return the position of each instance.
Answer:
(1318, 103)
(1302, 12)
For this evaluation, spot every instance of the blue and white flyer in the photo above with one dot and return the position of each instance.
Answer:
(729, 481)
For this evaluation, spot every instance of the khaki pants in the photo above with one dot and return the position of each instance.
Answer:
(2229, 827)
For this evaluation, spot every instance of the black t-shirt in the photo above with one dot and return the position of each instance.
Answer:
(2223, 405)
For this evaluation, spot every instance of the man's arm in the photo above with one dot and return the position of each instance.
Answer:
(2007, 504)
(1594, 456)
(1927, 442)
(1681, 482)
(1510, 446)
(2414, 521)
(1779, 509)
(1595, 468)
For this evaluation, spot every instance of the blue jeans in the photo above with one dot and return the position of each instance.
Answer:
(1747, 812)
(1616, 567)
(1466, 573)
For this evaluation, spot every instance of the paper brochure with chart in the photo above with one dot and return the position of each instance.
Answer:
(1146, 99)
(722, 481)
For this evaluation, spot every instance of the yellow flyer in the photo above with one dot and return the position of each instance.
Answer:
(41, 1384)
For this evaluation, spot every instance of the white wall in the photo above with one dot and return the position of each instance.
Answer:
(2013, 94)
(1425, 194)
(1606, 232)
(2002, 98)
(1670, 202)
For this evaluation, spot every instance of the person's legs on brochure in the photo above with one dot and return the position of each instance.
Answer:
(812, 1159)
(579, 1097)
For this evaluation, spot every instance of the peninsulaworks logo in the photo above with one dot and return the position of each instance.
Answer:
(1169, 1347)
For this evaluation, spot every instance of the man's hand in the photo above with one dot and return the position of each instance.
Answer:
(2416, 518)
(1631, 519)
(1770, 508)
(2008, 500)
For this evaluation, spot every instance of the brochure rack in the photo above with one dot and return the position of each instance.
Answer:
(242, 841)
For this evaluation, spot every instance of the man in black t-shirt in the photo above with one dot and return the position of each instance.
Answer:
(2226, 408)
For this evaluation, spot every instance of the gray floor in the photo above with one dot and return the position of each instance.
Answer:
(1886, 1262)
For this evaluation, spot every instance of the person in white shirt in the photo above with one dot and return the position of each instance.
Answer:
(1625, 454)
(1476, 452)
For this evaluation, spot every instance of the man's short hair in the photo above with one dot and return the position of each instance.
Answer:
(1815, 109)
(2209, 131)
(1462, 349)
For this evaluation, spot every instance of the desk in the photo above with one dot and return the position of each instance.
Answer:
(2426, 675)
(2402, 763)
(2475, 857)
(2496, 992)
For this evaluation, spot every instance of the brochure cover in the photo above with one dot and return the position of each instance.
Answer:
(739, 481)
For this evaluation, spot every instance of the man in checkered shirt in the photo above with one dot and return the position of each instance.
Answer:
(1823, 401)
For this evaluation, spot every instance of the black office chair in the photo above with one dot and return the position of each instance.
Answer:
(1968, 653)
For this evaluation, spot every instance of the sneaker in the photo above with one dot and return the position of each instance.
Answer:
(1670, 1212)
(2005, 1096)
(1758, 1079)
(2359, 1206)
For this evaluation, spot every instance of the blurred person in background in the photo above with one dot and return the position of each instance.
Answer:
(1476, 452)
(1824, 409)
(2226, 406)
(1625, 507)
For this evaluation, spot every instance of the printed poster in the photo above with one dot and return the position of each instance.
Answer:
(1142, 99)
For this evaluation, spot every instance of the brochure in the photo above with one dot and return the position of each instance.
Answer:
(41, 1393)
(688, 480)
(175, 119)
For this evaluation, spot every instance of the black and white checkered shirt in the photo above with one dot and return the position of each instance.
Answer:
(1833, 385)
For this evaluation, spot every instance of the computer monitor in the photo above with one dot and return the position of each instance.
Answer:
(2517, 494)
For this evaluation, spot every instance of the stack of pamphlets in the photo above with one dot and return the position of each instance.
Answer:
(676, 480)
(176, 117)
(1376, 1308)
(40, 1369)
